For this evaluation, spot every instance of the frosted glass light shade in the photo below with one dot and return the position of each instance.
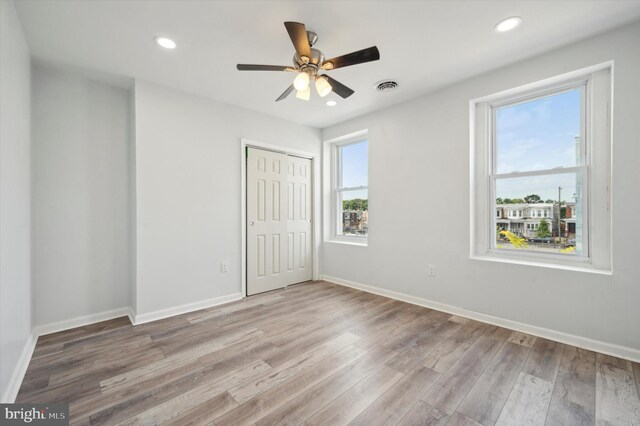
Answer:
(323, 87)
(301, 81)
(304, 94)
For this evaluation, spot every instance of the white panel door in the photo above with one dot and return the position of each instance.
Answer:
(299, 266)
(266, 220)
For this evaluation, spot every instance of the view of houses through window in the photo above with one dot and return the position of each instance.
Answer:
(538, 174)
(352, 189)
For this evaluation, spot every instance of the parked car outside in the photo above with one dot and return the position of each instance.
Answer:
(540, 240)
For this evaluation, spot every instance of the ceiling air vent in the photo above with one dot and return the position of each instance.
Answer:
(386, 85)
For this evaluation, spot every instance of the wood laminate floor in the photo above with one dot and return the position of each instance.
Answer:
(320, 353)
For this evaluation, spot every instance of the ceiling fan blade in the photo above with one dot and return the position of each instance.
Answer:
(298, 34)
(339, 88)
(361, 56)
(250, 67)
(286, 93)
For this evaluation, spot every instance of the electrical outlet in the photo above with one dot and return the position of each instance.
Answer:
(224, 266)
(431, 270)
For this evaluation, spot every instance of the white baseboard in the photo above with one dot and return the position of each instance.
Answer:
(20, 369)
(183, 309)
(619, 351)
(25, 357)
(131, 313)
(55, 327)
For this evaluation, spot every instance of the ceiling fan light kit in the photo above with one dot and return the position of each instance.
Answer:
(301, 82)
(309, 63)
(322, 86)
(304, 94)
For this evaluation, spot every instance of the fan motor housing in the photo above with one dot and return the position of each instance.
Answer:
(317, 58)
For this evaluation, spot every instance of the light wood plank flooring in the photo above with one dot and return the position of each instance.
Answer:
(319, 353)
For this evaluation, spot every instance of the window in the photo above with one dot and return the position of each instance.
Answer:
(545, 147)
(537, 143)
(350, 190)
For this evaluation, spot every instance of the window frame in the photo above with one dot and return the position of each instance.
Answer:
(583, 85)
(596, 170)
(335, 222)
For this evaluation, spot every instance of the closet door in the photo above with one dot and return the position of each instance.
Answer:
(299, 266)
(266, 220)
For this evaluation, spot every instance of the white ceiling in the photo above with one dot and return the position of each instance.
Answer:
(424, 45)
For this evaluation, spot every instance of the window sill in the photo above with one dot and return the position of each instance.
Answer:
(349, 242)
(576, 266)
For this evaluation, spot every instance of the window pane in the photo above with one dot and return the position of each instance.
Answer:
(354, 161)
(529, 216)
(539, 134)
(354, 212)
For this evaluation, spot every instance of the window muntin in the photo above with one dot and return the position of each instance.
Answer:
(540, 163)
(351, 191)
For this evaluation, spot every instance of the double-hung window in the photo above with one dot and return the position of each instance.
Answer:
(350, 190)
(546, 148)
(538, 149)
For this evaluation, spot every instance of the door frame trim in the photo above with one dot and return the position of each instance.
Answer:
(315, 197)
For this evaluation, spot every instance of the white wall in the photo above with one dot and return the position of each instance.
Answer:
(81, 198)
(419, 206)
(132, 201)
(188, 192)
(15, 204)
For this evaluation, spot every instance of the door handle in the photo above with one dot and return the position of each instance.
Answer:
(251, 223)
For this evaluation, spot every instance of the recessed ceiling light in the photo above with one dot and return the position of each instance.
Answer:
(167, 43)
(508, 24)
(331, 103)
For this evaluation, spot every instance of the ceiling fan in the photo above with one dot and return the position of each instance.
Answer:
(308, 63)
